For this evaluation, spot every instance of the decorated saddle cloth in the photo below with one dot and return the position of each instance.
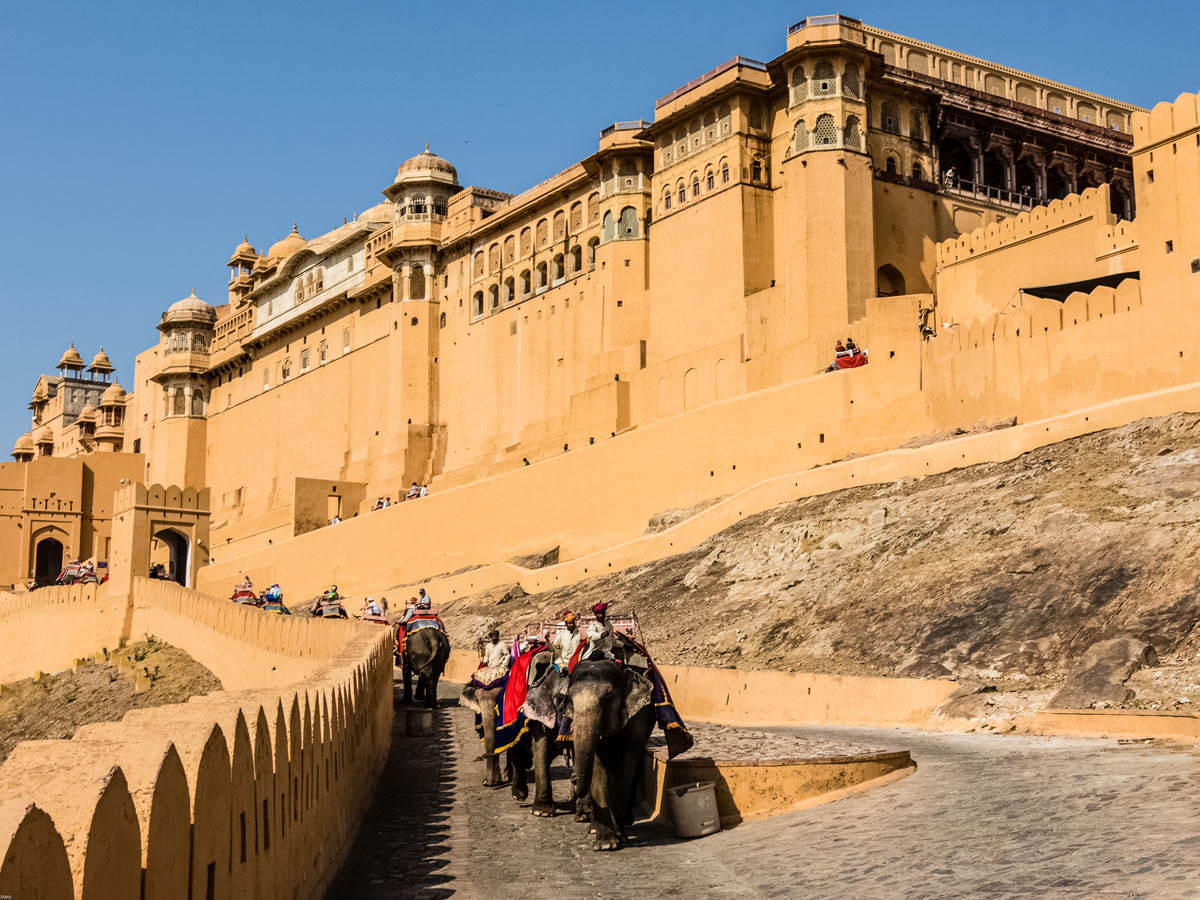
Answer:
(510, 720)
(419, 623)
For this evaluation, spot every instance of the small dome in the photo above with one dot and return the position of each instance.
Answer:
(114, 395)
(87, 414)
(24, 444)
(45, 435)
(288, 245)
(190, 308)
(425, 164)
(71, 359)
(101, 362)
(244, 250)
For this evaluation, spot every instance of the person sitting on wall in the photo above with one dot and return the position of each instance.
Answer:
(378, 505)
(413, 492)
(423, 492)
(387, 501)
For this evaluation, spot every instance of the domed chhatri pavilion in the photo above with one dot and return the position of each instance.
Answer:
(686, 280)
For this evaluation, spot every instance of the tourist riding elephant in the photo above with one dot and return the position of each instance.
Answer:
(612, 716)
(425, 653)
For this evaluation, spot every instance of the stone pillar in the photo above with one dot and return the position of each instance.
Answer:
(405, 281)
(430, 287)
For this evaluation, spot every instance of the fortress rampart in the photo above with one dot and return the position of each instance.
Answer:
(249, 792)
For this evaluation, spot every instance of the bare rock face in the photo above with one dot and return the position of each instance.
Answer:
(537, 560)
(1102, 673)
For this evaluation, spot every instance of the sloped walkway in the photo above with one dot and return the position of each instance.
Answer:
(983, 816)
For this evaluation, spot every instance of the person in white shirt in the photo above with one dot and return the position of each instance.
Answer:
(372, 608)
(496, 653)
(600, 634)
(567, 641)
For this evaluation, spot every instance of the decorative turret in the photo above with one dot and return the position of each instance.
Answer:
(101, 365)
(23, 449)
(71, 363)
(110, 422)
(45, 441)
(423, 187)
(241, 271)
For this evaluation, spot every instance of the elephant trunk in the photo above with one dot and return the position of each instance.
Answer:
(586, 714)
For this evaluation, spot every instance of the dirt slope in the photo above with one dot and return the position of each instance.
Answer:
(999, 571)
(58, 704)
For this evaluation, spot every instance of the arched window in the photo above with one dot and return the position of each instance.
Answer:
(680, 141)
(543, 233)
(609, 230)
(304, 358)
(724, 172)
(824, 82)
(576, 216)
(477, 269)
(526, 242)
(918, 173)
(178, 408)
(628, 173)
(889, 117)
(667, 199)
(323, 350)
(723, 119)
(710, 125)
(694, 133)
(709, 181)
(199, 344)
(890, 165)
(526, 283)
(799, 86)
(197, 402)
(510, 250)
(888, 281)
(508, 295)
(852, 134)
(593, 208)
(416, 205)
(493, 298)
(800, 137)
(542, 280)
(591, 253)
(559, 268)
(286, 371)
(181, 341)
(560, 225)
(916, 130)
(416, 283)
(493, 259)
(695, 185)
(825, 132)
(477, 304)
(576, 260)
(441, 322)
(628, 226)
(850, 85)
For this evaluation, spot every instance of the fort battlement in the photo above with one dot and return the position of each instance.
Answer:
(1166, 121)
(1091, 205)
(253, 793)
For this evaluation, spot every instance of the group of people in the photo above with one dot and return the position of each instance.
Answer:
(414, 492)
(847, 355)
(598, 642)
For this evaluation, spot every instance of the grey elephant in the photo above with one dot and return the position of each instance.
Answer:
(483, 700)
(424, 654)
(612, 715)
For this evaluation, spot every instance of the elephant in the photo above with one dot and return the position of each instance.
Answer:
(425, 653)
(536, 746)
(612, 715)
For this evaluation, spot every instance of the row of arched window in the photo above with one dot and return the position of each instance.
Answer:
(827, 133)
(823, 81)
(546, 274)
(183, 341)
(309, 285)
(553, 229)
(889, 121)
(177, 402)
(696, 184)
(712, 126)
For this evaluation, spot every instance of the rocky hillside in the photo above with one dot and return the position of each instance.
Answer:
(1000, 572)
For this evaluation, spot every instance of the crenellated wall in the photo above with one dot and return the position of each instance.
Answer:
(237, 794)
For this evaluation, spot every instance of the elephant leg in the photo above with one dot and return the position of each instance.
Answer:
(543, 793)
(625, 760)
(491, 759)
(407, 681)
(604, 826)
(431, 690)
(519, 761)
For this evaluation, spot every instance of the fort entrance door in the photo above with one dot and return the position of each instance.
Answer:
(48, 560)
(177, 546)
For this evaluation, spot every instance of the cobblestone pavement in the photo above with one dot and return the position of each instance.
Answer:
(984, 816)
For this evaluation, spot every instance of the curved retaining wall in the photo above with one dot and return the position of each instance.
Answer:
(238, 794)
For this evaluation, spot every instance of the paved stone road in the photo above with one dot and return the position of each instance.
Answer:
(984, 816)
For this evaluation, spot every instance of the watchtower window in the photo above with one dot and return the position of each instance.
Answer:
(824, 80)
(850, 85)
(916, 130)
(628, 225)
(890, 115)
(852, 135)
(825, 132)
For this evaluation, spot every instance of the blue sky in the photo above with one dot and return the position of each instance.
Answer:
(141, 141)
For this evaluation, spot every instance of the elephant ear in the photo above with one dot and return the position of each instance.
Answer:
(470, 700)
(636, 695)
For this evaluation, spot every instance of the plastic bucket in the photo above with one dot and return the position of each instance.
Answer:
(418, 721)
(694, 809)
